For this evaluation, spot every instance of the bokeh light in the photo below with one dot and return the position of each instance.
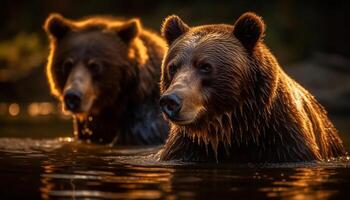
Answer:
(33, 109)
(46, 108)
(14, 109)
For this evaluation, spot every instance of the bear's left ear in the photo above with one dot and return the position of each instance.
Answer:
(249, 30)
(129, 30)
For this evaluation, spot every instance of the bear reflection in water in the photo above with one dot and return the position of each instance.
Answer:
(105, 72)
(228, 99)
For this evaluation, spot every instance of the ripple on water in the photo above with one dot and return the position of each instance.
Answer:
(30, 146)
(64, 168)
(135, 194)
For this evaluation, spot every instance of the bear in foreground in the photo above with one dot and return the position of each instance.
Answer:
(106, 74)
(227, 99)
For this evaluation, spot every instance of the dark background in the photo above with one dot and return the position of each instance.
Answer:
(309, 38)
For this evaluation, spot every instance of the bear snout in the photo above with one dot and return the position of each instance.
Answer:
(170, 104)
(72, 100)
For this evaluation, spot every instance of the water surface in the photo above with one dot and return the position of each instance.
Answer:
(65, 169)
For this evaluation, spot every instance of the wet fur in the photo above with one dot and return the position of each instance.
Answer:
(269, 117)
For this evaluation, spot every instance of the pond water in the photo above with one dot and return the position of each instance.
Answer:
(52, 165)
(62, 168)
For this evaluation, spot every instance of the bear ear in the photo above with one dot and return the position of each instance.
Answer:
(172, 28)
(129, 30)
(249, 30)
(57, 26)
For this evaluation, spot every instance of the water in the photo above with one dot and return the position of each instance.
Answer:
(65, 169)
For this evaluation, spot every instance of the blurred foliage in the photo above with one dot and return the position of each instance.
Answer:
(294, 27)
(19, 55)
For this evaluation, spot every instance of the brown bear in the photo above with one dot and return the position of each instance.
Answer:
(106, 72)
(228, 99)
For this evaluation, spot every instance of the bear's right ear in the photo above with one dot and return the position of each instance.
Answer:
(249, 30)
(172, 28)
(57, 26)
(130, 30)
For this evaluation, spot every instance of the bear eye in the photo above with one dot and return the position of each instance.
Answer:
(67, 65)
(95, 68)
(172, 70)
(205, 68)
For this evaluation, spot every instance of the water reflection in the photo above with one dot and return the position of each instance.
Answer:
(81, 174)
(303, 183)
(121, 184)
(66, 169)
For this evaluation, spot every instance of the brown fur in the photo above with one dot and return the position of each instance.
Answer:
(125, 109)
(253, 111)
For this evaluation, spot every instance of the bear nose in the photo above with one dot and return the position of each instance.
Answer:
(170, 104)
(72, 100)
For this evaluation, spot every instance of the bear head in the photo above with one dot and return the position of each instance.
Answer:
(211, 72)
(90, 61)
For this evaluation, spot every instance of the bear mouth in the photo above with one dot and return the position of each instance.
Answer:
(181, 121)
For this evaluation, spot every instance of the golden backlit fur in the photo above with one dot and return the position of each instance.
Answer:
(254, 112)
(121, 62)
(138, 50)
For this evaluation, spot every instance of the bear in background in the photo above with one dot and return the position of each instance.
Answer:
(106, 73)
(227, 99)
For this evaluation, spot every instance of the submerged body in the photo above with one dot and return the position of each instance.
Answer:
(243, 107)
(105, 72)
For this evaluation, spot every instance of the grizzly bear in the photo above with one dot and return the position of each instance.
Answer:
(106, 73)
(228, 99)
